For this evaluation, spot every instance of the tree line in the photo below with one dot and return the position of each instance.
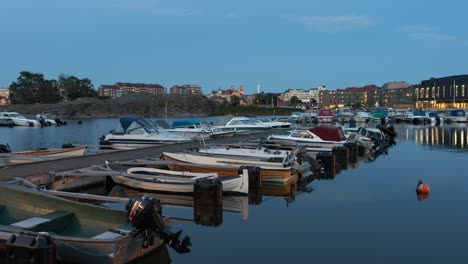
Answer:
(33, 88)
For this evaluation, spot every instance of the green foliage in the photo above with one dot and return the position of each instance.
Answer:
(294, 101)
(265, 99)
(235, 100)
(32, 88)
(73, 88)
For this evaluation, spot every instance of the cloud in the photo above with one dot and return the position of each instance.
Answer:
(428, 34)
(152, 8)
(332, 23)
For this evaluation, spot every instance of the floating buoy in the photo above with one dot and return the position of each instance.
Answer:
(422, 196)
(422, 188)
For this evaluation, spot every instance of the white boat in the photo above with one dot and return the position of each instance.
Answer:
(269, 171)
(273, 124)
(370, 138)
(154, 179)
(178, 181)
(325, 116)
(194, 129)
(134, 132)
(434, 118)
(19, 120)
(7, 157)
(362, 117)
(321, 138)
(46, 119)
(415, 116)
(6, 121)
(262, 153)
(456, 116)
(238, 123)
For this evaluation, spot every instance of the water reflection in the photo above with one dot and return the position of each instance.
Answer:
(445, 137)
(205, 213)
(289, 191)
(160, 256)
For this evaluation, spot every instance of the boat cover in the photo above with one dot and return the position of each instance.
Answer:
(185, 122)
(329, 133)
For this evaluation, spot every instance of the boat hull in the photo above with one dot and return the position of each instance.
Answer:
(41, 155)
(81, 237)
(267, 173)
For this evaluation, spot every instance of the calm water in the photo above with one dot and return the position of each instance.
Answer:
(369, 213)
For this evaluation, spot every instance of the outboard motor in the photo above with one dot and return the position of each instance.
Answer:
(144, 213)
(5, 148)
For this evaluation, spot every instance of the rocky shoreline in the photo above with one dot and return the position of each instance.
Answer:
(140, 105)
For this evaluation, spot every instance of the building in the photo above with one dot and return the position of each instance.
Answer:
(306, 96)
(444, 92)
(366, 96)
(396, 85)
(189, 89)
(4, 96)
(225, 95)
(119, 89)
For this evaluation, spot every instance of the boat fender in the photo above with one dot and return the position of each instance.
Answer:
(422, 188)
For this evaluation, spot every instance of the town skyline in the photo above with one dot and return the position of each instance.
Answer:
(276, 44)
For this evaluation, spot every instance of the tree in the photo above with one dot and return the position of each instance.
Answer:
(73, 88)
(294, 101)
(31, 88)
(266, 99)
(235, 100)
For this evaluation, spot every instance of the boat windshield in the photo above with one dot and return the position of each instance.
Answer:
(132, 125)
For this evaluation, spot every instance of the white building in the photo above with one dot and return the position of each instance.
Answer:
(304, 95)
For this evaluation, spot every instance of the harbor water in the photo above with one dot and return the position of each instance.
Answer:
(368, 213)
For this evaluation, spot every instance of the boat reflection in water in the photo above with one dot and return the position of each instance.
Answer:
(435, 137)
(205, 212)
(288, 191)
(160, 256)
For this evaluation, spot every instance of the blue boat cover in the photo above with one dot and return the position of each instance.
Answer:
(185, 122)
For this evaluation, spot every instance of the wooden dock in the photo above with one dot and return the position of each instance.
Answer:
(64, 164)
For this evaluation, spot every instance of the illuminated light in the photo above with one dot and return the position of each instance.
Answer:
(443, 135)
(432, 136)
(462, 138)
(427, 135)
(421, 136)
(454, 138)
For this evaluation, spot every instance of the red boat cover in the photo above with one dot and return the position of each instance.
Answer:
(329, 133)
(325, 113)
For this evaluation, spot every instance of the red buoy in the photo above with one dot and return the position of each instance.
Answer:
(422, 188)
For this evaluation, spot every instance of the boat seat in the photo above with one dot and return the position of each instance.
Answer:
(112, 234)
(38, 221)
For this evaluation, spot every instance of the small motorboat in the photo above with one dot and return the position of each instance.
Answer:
(7, 157)
(134, 132)
(72, 232)
(154, 179)
(162, 180)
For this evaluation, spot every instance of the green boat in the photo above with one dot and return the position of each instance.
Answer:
(41, 225)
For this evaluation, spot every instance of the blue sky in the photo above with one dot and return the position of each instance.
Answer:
(278, 44)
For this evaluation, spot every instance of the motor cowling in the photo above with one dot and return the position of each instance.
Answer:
(144, 213)
(141, 212)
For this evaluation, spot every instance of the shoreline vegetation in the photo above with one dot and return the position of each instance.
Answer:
(143, 105)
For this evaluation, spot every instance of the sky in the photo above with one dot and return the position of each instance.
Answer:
(277, 44)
